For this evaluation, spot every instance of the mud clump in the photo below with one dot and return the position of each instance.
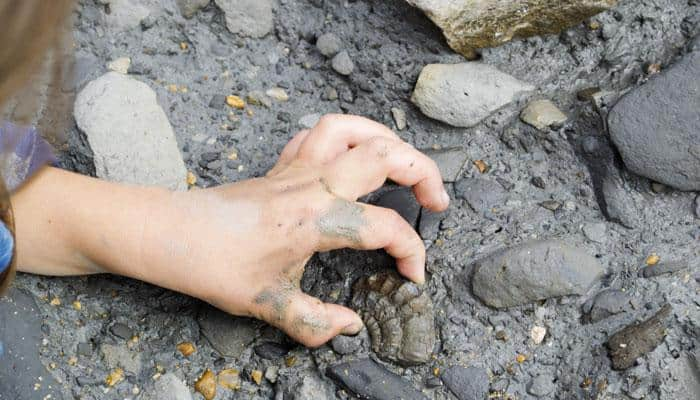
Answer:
(399, 317)
(636, 340)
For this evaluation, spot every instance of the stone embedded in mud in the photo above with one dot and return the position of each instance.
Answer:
(227, 334)
(464, 94)
(449, 160)
(474, 24)
(271, 350)
(541, 385)
(169, 387)
(662, 269)
(188, 8)
(126, 14)
(253, 18)
(429, 223)
(483, 195)
(533, 271)
(543, 114)
(308, 386)
(470, 383)
(128, 132)
(342, 63)
(657, 129)
(607, 303)
(120, 356)
(623, 204)
(206, 385)
(402, 201)
(636, 340)
(369, 380)
(329, 44)
(399, 317)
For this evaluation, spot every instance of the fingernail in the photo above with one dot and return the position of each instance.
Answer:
(445, 197)
(353, 328)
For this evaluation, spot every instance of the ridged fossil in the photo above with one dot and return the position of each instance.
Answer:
(399, 317)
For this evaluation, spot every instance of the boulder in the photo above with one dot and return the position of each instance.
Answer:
(534, 271)
(128, 132)
(253, 18)
(474, 24)
(463, 95)
(656, 127)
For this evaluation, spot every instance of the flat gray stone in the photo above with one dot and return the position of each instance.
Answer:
(596, 232)
(541, 385)
(126, 14)
(309, 121)
(120, 356)
(467, 383)
(129, 133)
(227, 334)
(483, 195)
(169, 387)
(464, 94)
(188, 8)
(308, 386)
(657, 129)
(429, 224)
(253, 18)
(543, 114)
(449, 160)
(533, 271)
(607, 303)
(622, 202)
(369, 380)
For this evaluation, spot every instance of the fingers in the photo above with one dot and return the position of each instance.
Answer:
(289, 152)
(336, 133)
(365, 227)
(313, 322)
(366, 167)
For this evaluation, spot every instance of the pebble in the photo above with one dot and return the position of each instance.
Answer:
(114, 377)
(252, 18)
(543, 114)
(329, 44)
(551, 205)
(84, 349)
(217, 102)
(607, 303)
(271, 374)
(256, 375)
(399, 118)
(429, 223)
(537, 334)
(121, 331)
(278, 94)
(120, 65)
(670, 100)
(271, 350)
(541, 385)
(464, 94)
(533, 271)
(258, 98)
(235, 102)
(538, 182)
(120, 356)
(342, 63)
(227, 334)
(309, 386)
(450, 161)
(636, 340)
(346, 344)
(403, 201)
(169, 387)
(229, 379)
(129, 133)
(188, 8)
(206, 385)
(467, 383)
(482, 194)
(662, 269)
(623, 204)
(126, 15)
(186, 349)
(367, 379)
(596, 232)
(309, 121)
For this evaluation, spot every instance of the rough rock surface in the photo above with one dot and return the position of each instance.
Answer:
(403, 201)
(126, 14)
(399, 317)
(129, 134)
(473, 24)
(169, 387)
(483, 195)
(227, 334)
(464, 94)
(636, 340)
(450, 161)
(657, 129)
(467, 383)
(369, 380)
(606, 303)
(252, 18)
(534, 271)
(543, 114)
(188, 8)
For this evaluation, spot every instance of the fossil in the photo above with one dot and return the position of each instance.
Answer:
(399, 317)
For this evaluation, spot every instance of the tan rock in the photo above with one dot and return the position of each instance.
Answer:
(474, 24)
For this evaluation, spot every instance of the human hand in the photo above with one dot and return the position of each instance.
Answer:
(244, 245)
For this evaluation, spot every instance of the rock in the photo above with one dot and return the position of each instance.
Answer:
(227, 334)
(229, 379)
(399, 317)
(342, 63)
(537, 334)
(308, 387)
(126, 14)
(278, 94)
(482, 195)
(369, 380)
(21, 338)
(467, 383)
(217, 102)
(258, 98)
(595, 232)
(450, 161)
(309, 121)
(119, 356)
(636, 340)
(206, 385)
(129, 134)
(403, 202)
(169, 387)
(662, 269)
(271, 374)
(606, 303)
(622, 202)
(251, 18)
(121, 331)
(464, 94)
(533, 271)
(271, 350)
(656, 126)
(84, 349)
(474, 24)
(188, 8)
(329, 44)
(120, 65)
(697, 206)
(541, 385)
(543, 114)
(346, 344)
(399, 118)
(429, 223)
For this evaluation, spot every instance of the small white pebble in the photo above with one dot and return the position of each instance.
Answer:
(537, 334)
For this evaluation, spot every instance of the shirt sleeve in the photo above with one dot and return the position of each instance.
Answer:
(23, 152)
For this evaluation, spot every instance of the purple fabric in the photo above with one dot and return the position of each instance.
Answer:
(23, 152)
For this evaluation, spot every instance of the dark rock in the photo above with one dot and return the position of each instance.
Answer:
(538, 182)
(121, 331)
(636, 340)
(662, 269)
(227, 334)
(482, 195)
(551, 205)
(587, 94)
(433, 382)
(271, 350)
(468, 383)
(369, 380)
(429, 224)
(84, 349)
(346, 344)
(210, 156)
(218, 101)
(403, 202)
(657, 129)
(450, 161)
(399, 318)
(533, 271)
(606, 303)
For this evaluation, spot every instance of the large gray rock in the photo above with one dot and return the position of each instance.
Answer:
(473, 24)
(227, 334)
(251, 18)
(464, 94)
(169, 387)
(128, 132)
(533, 271)
(656, 127)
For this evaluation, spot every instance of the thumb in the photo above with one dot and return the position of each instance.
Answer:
(312, 322)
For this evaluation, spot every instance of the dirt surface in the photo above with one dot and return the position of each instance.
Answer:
(389, 42)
